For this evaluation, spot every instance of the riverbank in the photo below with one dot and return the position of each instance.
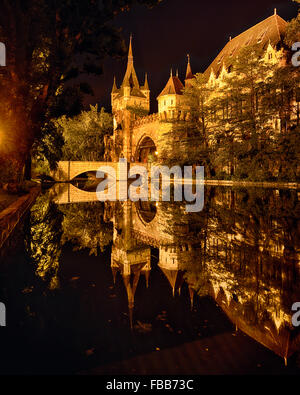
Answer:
(261, 184)
(6, 199)
(11, 215)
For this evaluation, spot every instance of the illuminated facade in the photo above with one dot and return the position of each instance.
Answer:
(135, 131)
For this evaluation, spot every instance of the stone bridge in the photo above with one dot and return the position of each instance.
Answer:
(68, 170)
(149, 221)
(68, 193)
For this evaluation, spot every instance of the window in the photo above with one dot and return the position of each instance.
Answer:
(164, 102)
(171, 102)
(261, 36)
(220, 60)
(248, 41)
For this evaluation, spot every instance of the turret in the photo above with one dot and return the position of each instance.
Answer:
(114, 92)
(145, 88)
(130, 94)
(170, 99)
(188, 75)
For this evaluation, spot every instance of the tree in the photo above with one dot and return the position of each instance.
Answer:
(49, 43)
(48, 150)
(84, 134)
(239, 120)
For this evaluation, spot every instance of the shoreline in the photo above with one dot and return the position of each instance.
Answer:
(12, 215)
(259, 184)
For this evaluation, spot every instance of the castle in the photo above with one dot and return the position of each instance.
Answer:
(137, 134)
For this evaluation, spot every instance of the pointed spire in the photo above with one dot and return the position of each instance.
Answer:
(147, 276)
(130, 78)
(191, 291)
(130, 310)
(177, 73)
(171, 73)
(189, 73)
(130, 56)
(114, 274)
(146, 85)
(275, 11)
(114, 88)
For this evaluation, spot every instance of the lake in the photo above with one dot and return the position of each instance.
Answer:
(147, 288)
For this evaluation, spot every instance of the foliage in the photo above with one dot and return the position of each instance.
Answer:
(49, 149)
(293, 30)
(234, 123)
(139, 111)
(84, 134)
(49, 44)
(84, 226)
(43, 243)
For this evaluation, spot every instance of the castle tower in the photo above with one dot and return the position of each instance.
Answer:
(170, 98)
(130, 95)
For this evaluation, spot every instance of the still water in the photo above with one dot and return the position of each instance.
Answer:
(146, 288)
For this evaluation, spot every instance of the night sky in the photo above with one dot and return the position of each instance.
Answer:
(163, 36)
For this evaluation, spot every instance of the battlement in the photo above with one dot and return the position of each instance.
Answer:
(147, 119)
(174, 115)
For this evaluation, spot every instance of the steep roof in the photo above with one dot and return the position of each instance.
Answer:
(130, 78)
(173, 87)
(270, 30)
(114, 88)
(146, 85)
(189, 75)
(133, 92)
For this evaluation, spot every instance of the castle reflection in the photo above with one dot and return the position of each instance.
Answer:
(242, 250)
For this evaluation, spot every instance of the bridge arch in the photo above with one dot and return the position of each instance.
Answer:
(68, 170)
(77, 172)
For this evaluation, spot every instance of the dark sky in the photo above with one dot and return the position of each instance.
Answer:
(162, 37)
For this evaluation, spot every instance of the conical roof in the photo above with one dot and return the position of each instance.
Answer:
(146, 85)
(189, 75)
(114, 88)
(173, 87)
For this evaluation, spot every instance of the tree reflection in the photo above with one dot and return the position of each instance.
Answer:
(84, 227)
(247, 258)
(43, 241)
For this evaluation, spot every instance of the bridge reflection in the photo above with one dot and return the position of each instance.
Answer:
(242, 250)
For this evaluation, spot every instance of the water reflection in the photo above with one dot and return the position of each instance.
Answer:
(242, 250)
